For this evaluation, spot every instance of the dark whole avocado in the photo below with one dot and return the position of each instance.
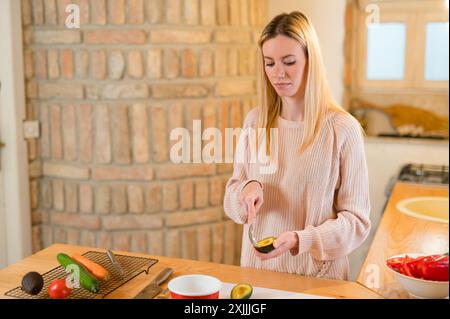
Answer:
(265, 246)
(32, 283)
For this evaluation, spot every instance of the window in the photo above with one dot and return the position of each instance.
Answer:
(436, 54)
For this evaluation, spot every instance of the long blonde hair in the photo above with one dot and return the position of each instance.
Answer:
(318, 99)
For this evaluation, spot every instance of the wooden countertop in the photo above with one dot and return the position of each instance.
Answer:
(399, 233)
(45, 260)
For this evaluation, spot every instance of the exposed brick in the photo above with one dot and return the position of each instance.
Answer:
(58, 195)
(140, 133)
(189, 244)
(98, 15)
(35, 169)
(191, 12)
(121, 242)
(161, 91)
(204, 243)
(45, 131)
(236, 87)
(38, 12)
(67, 63)
(221, 62)
(131, 222)
(175, 171)
(71, 195)
(116, 65)
(186, 195)
(87, 239)
(244, 12)
(135, 64)
(125, 91)
(98, 64)
(46, 194)
(252, 62)
(119, 199)
(104, 240)
(159, 133)
(36, 238)
(81, 64)
(27, 37)
(222, 12)
(102, 199)
(59, 235)
(26, 12)
(117, 11)
(41, 64)
(253, 12)
(55, 130)
(189, 63)
(139, 243)
(84, 11)
(233, 62)
(65, 171)
(62, 15)
(123, 173)
(243, 62)
(121, 135)
(46, 235)
(193, 217)
(73, 236)
(60, 91)
(209, 115)
(154, 63)
(32, 149)
(170, 196)
(223, 36)
(201, 194)
(180, 36)
(125, 36)
(155, 243)
(50, 12)
(155, 10)
(153, 198)
(135, 199)
(69, 133)
(102, 134)
(34, 194)
(85, 113)
(206, 65)
(217, 243)
(136, 11)
(172, 243)
(86, 199)
(173, 11)
(53, 64)
(28, 59)
(234, 6)
(57, 37)
(171, 64)
(216, 191)
(208, 12)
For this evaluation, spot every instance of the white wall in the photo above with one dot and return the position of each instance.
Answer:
(328, 18)
(385, 158)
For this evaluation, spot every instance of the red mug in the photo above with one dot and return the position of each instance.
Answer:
(195, 287)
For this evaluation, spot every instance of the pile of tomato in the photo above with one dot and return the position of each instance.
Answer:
(432, 267)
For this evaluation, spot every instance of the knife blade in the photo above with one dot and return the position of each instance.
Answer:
(115, 263)
(153, 288)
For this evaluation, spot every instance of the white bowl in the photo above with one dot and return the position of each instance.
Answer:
(195, 287)
(420, 288)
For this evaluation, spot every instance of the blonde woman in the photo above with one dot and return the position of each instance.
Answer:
(316, 202)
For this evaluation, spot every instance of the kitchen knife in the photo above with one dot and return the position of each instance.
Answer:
(113, 260)
(153, 289)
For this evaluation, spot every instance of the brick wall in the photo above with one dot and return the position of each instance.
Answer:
(107, 96)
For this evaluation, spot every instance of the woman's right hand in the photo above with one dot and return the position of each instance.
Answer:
(251, 198)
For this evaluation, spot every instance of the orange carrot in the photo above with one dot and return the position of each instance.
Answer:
(95, 269)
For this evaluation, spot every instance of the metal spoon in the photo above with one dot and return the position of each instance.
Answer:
(251, 236)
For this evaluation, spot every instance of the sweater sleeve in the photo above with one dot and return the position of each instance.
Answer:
(239, 179)
(338, 237)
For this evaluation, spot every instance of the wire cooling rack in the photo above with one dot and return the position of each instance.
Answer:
(132, 266)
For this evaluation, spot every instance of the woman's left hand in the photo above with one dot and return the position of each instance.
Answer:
(287, 241)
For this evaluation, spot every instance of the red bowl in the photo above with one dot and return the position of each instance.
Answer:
(195, 287)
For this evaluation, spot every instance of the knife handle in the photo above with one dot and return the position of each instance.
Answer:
(162, 276)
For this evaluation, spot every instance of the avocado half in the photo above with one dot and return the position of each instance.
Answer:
(265, 245)
(241, 291)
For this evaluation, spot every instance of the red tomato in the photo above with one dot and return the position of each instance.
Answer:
(58, 289)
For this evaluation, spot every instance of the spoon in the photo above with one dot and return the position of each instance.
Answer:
(251, 236)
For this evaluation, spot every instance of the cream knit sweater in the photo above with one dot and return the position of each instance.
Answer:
(323, 195)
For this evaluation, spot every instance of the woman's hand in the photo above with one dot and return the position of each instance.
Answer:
(286, 241)
(251, 198)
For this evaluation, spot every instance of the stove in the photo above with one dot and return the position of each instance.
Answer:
(424, 174)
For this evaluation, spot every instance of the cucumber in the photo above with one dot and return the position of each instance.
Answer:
(87, 281)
